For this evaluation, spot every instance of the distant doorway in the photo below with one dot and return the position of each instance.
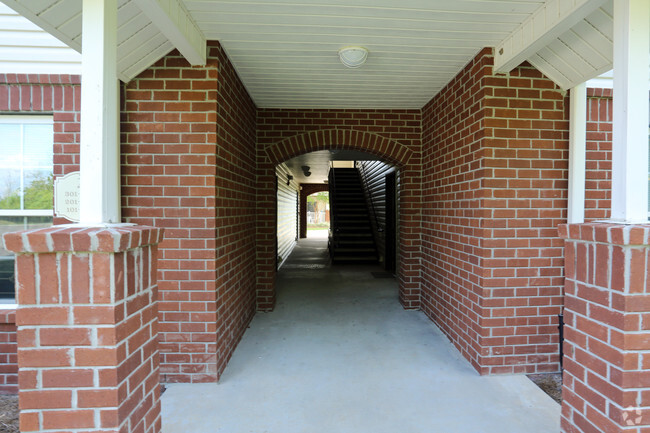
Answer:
(318, 215)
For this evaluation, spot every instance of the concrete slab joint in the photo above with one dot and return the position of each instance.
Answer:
(87, 323)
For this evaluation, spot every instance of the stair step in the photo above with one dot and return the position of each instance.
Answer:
(354, 259)
(345, 250)
(350, 233)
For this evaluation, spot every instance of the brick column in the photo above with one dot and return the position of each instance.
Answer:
(607, 335)
(8, 350)
(87, 329)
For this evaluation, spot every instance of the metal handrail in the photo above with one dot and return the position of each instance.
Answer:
(332, 232)
(364, 176)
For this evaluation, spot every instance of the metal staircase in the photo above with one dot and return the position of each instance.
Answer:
(351, 239)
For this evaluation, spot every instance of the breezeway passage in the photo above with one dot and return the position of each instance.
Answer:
(339, 354)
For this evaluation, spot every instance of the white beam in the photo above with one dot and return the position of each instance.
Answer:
(551, 20)
(99, 151)
(175, 22)
(577, 154)
(630, 129)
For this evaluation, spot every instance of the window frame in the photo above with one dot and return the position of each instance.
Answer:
(27, 119)
(24, 119)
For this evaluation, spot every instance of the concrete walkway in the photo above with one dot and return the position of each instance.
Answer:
(339, 355)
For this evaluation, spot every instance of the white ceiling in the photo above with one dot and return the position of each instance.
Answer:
(286, 51)
(319, 163)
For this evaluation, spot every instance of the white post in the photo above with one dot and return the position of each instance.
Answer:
(99, 160)
(630, 129)
(577, 154)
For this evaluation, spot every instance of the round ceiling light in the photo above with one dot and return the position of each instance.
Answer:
(353, 57)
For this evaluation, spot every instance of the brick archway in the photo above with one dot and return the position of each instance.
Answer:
(385, 149)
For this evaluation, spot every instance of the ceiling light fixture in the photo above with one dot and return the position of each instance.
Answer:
(353, 57)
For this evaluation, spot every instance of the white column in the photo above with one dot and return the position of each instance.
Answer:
(630, 129)
(99, 159)
(577, 154)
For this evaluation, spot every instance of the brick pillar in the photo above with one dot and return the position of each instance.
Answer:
(87, 329)
(607, 335)
(8, 352)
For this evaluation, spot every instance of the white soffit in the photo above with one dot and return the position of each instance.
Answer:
(27, 49)
(286, 52)
(582, 53)
(140, 43)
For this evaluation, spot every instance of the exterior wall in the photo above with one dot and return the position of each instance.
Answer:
(494, 152)
(39, 94)
(373, 175)
(391, 135)
(495, 179)
(287, 199)
(188, 163)
(24, 42)
(8, 352)
(43, 94)
(452, 254)
(598, 183)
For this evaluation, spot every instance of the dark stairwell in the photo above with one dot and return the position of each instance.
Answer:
(351, 239)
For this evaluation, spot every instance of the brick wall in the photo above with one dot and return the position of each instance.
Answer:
(483, 169)
(495, 184)
(390, 135)
(188, 153)
(8, 352)
(59, 95)
(452, 254)
(598, 183)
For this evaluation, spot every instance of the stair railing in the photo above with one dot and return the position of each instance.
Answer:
(364, 183)
(333, 238)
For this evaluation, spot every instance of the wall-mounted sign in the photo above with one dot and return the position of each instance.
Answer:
(66, 196)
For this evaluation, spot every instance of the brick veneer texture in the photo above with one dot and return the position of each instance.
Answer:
(188, 145)
(58, 95)
(87, 329)
(607, 338)
(598, 184)
(494, 190)
(188, 165)
(8, 352)
(390, 135)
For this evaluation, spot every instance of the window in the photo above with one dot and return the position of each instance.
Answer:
(26, 183)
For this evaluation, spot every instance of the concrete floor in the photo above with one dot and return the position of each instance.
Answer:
(338, 355)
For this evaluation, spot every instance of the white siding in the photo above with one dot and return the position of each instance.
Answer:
(27, 49)
(373, 175)
(287, 213)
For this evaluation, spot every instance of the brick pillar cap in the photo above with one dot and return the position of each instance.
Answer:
(605, 232)
(82, 239)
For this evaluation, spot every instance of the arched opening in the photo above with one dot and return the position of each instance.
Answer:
(331, 142)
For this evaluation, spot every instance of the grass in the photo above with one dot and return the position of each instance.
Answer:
(323, 226)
